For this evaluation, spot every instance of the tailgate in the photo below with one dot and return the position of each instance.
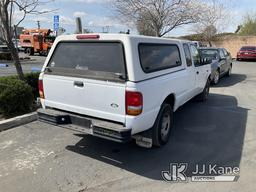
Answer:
(88, 78)
(89, 97)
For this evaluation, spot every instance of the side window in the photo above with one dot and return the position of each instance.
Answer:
(222, 55)
(156, 57)
(195, 55)
(225, 52)
(187, 55)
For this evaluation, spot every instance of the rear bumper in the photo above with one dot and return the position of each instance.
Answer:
(246, 57)
(96, 127)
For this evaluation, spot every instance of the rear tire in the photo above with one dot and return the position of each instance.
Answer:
(229, 71)
(30, 51)
(204, 95)
(163, 126)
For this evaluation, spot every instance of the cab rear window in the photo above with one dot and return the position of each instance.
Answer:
(100, 60)
(156, 57)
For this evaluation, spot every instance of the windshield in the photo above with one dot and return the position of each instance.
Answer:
(49, 39)
(248, 49)
(104, 60)
(210, 53)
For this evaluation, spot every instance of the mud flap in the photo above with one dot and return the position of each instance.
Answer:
(144, 139)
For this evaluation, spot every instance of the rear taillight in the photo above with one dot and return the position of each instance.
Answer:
(134, 103)
(41, 89)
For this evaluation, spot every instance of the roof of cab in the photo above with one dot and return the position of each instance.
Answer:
(210, 48)
(116, 36)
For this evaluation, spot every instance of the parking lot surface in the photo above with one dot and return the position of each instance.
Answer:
(34, 64)
(40, 157)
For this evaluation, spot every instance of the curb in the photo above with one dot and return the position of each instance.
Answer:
(17, 121)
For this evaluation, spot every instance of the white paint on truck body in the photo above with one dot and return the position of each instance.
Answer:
(97, 96)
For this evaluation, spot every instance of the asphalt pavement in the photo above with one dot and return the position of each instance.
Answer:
(40, 157)
(35, 63)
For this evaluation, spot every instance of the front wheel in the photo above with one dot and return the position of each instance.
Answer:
(163, 125)
(216, 77)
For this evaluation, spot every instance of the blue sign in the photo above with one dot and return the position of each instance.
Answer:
(56, 18)
(56, 26)
(3, 65)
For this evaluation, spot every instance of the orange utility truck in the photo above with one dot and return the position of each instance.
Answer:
(37, 41)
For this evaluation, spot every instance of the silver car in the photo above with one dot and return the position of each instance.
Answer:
(221, 62)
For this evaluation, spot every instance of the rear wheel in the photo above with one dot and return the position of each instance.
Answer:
(163, 125)
(30, 51)
(204, 95)
(229, 71)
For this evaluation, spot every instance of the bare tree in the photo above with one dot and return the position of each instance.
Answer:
(145, 27)
(161, 15)
(213, 18)
(7, 25)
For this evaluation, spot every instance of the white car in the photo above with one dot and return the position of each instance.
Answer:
(119, 87)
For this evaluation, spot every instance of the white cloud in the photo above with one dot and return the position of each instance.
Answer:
(79, 14)
(66, 20)
(90, 23)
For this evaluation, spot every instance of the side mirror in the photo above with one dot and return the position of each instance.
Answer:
(222, 58)
(206, 61)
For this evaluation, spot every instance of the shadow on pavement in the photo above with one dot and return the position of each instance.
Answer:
(230, 81)
(204, 133)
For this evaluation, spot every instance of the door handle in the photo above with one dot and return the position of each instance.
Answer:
(197, 72)
(78, 84)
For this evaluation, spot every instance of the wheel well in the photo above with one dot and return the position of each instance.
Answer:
(170, 100)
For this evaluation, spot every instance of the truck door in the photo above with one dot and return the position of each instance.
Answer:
(40, 42)
(191, 78)
(200, 70)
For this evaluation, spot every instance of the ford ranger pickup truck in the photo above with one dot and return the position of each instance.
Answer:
(120, 87)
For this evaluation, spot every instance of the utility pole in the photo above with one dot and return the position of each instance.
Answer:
(105, 29)
(79, 27)
(38, 25)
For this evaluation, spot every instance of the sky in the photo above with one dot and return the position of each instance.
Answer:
(97, 16)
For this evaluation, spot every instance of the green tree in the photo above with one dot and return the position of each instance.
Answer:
(249, 25)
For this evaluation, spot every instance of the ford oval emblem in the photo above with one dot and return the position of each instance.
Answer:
(114, 105)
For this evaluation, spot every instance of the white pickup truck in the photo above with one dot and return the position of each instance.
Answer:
(119, 87)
